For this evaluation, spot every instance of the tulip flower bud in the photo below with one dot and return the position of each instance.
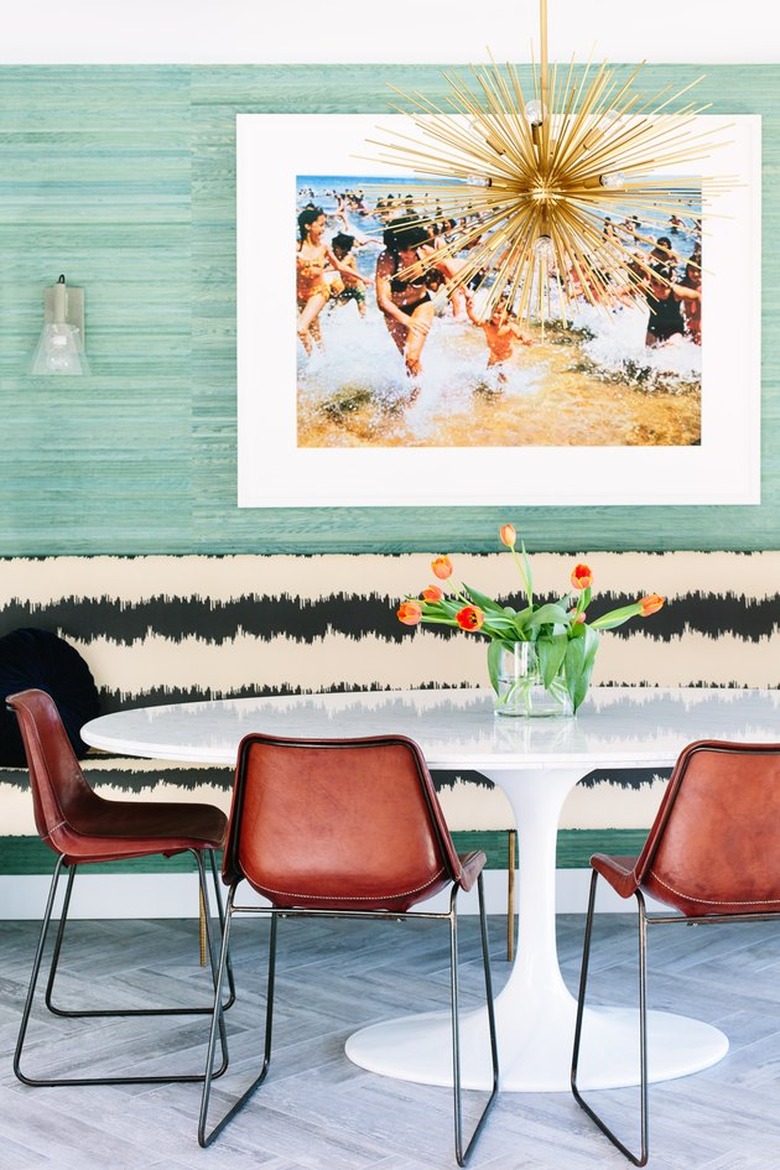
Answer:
(442, 568)
(470, 617)
(581, 577)
(650, 604)
(410, 613)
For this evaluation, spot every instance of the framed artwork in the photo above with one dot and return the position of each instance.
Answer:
(600, 411)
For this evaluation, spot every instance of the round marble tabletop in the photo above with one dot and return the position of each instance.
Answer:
(628, 726)
(536, 762)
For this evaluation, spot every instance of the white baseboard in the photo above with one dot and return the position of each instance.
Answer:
(175, 895)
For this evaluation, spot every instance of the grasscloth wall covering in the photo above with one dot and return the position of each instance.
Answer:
(123, 178)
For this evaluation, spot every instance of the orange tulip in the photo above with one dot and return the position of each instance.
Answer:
(508, 535)
(409, 613)
(581, 577)
(432, 593)
(470, 617)
(442, 568)
(650, 604)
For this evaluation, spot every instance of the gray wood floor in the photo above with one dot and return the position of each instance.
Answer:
(317, 1111)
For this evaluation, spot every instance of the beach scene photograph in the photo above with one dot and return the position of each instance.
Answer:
(387, 357)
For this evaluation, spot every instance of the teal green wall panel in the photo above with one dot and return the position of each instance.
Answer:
(123, 178)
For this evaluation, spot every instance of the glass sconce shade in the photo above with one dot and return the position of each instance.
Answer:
(60, 348)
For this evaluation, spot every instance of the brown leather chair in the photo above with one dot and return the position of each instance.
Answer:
(712, 855)
(84, 829)
(348, 828)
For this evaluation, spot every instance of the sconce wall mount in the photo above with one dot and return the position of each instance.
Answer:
(61, 348)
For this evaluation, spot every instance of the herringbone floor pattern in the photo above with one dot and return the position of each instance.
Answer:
(317, 1111)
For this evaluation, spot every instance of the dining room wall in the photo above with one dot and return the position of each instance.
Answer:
(117, 153)
(122, 177)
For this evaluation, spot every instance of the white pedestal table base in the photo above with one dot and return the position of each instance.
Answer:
(419, 1048)
(535, 1011)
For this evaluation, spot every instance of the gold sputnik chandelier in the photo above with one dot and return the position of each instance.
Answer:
(541, 184)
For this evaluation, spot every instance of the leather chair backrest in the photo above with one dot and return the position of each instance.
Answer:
(338, 824)
(714, 847)
(62, 798)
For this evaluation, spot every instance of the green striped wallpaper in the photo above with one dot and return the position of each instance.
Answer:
(123, 178)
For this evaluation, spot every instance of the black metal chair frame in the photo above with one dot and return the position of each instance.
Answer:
(79, 1013)
(205, 1138)
(644, 919)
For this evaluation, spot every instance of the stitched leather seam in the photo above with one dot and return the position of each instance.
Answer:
(716, 901)
(353, 898)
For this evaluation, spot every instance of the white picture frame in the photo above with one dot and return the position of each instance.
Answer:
(273, 150)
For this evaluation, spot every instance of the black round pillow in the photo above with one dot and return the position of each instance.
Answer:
(39, 659)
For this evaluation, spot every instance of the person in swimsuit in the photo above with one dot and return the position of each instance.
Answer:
(314, 285)
(342, 245)
(688, 293)
(403, 288)
(664, 253)
(501, 331)
(666, 320)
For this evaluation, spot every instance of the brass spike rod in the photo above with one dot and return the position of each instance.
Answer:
(543, 54)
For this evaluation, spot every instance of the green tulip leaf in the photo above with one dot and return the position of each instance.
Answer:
(552, 653)
(549, 614)
(483, 601)
(580, 657)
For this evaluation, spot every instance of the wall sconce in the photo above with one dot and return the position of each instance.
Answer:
(60, 349)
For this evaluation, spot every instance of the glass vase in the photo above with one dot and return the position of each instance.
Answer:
(520, 690)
